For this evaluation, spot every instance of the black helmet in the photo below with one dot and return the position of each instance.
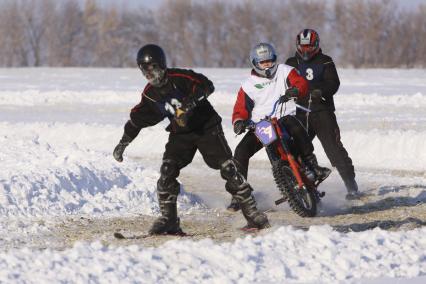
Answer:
(152, 61)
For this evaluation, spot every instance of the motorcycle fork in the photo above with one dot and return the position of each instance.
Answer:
(285, 153)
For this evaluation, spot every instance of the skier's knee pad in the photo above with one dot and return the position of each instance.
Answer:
(169, 172)
(169, 169)
(228, 169)
(235, 180)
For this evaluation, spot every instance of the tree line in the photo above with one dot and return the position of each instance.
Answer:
(215, 33)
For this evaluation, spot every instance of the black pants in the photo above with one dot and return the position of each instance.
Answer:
(323, 124)
(250, 145)
(211, 143)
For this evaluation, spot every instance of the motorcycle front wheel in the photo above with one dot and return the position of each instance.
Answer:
(301, 200)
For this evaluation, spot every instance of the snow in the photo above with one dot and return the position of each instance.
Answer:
(57, 131)
(317, 255)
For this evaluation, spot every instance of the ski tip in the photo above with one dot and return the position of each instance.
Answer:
(119, 235)
(249, 230)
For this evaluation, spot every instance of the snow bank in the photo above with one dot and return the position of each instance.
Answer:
(52, 98)
(385, 149)
(377, 101)
(285, 255)
(60, 169)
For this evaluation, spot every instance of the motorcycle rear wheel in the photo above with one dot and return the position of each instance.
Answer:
(301, 201)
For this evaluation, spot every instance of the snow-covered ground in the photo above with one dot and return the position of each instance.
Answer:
(57, 131)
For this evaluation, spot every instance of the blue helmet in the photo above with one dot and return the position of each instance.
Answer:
(264, 52)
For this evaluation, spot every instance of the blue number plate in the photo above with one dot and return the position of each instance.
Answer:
(265, 132)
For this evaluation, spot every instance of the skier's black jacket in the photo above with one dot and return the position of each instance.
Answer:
(158, 103)
(321, 73)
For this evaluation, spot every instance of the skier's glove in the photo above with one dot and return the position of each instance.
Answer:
(189, 103)
(240, 126)
(121, 146)
(316, 95)
(289, 94)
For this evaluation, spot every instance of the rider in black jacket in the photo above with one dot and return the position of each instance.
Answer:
(321, 74)
(181, 96)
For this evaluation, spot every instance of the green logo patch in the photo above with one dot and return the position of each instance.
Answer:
(262, 85)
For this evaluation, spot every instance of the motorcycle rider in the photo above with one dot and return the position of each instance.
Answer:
(321, 74)
(181, 96)
(268, 82)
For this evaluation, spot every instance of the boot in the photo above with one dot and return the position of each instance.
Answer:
(237, 185)
(321, 173)
(168, 222)
(166, 226)
(352, 188)
(255, 218)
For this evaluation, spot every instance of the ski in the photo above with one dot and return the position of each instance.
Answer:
(121, 236)
(250, 230)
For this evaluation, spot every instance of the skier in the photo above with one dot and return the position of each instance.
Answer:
(181, 96)
(321, 74)
(268, 82)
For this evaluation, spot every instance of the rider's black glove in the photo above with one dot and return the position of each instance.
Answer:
(316, 95)
(289, 94)
(121, 146)
(240, 126)
(189, 103)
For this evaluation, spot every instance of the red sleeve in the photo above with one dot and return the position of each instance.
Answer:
(296, 80)
(243, 107)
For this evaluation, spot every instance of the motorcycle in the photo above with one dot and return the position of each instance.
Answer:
(297, 186)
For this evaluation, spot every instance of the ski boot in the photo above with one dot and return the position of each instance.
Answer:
(256, 220)
(166, 226)
(168, 222)
(321, 173)
(237, 185)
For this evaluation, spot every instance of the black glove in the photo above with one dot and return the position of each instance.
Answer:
(121, 146)
(240, 126)
(189, 103)
(316, 95)
(289, 94)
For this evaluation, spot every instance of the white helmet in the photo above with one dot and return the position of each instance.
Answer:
(262, 52)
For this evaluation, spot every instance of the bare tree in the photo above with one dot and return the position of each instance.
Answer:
(174, 16)
(216, 33)
(14, 50)
(35, 16)
(137, 28)
(64, 35)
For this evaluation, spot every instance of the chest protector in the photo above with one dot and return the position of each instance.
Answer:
(265, 92)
